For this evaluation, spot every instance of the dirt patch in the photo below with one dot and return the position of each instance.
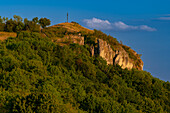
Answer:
(5, 35)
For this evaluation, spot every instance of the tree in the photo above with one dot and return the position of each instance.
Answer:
(2, 26)
(17, 18)
(19, 26)
(10, 25)
(4, 19)
(1, 20)
(32, 26)
(44, 22)
(35, 20)
(25, 21)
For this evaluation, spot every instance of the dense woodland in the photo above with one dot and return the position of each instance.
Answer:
(38, 75)
(17, 24)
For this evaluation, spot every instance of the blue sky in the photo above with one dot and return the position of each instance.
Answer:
(143, 25)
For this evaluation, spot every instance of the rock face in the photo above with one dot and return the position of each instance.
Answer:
(119, 57)
(103, 49)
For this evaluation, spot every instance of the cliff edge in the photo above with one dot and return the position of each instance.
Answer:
(100, 44)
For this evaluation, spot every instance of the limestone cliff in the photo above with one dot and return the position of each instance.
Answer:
(100, 44)
(119, 56)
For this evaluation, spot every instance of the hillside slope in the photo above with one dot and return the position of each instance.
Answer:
(105, 46)
(38, 75)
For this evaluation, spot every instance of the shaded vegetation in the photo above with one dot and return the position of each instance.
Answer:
(37, 75)
(17, 24)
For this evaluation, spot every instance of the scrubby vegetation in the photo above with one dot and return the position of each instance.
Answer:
(37, 75)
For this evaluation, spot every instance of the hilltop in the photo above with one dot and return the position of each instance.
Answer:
(71, 69)
(73, 27)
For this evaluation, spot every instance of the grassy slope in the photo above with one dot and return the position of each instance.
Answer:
(73, 27)
(5, 35)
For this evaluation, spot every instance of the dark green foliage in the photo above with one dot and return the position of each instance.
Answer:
(35, 20)
(32, 26)
(17, 24)
(10, 26)
(44, 22)
(1, 20)
(37, 75)
(2, 26)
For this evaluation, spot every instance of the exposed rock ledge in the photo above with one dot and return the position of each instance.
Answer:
(104, 50)
(119, 57)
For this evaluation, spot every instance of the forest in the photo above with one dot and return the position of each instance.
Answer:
(40, 76)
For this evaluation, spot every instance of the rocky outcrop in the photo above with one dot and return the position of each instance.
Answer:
(103, 49)
(119, 56)
(113, 52)
(122, 58)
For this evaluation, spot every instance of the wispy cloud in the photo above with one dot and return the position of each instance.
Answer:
(164, 18)
(121, 26)
(146, 28)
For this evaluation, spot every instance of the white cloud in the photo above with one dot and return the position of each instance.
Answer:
(106, 25)
(97, 23)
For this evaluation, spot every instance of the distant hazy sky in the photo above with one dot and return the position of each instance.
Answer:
(143, 25)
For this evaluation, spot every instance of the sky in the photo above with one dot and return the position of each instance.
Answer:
(143, 25)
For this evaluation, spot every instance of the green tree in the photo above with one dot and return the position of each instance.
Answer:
(19, 26)
(1, 20)
(10, 26)
(32, 26)
(17, 18)
(25, 21)
(35, 20)
(2, 25)
(44, 22)
(5, 19)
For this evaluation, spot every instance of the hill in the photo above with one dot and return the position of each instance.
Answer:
(100, 44)
(60, 73)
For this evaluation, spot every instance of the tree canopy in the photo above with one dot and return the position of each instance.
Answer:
(44, 22)
(37, 75)
(17, 24)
